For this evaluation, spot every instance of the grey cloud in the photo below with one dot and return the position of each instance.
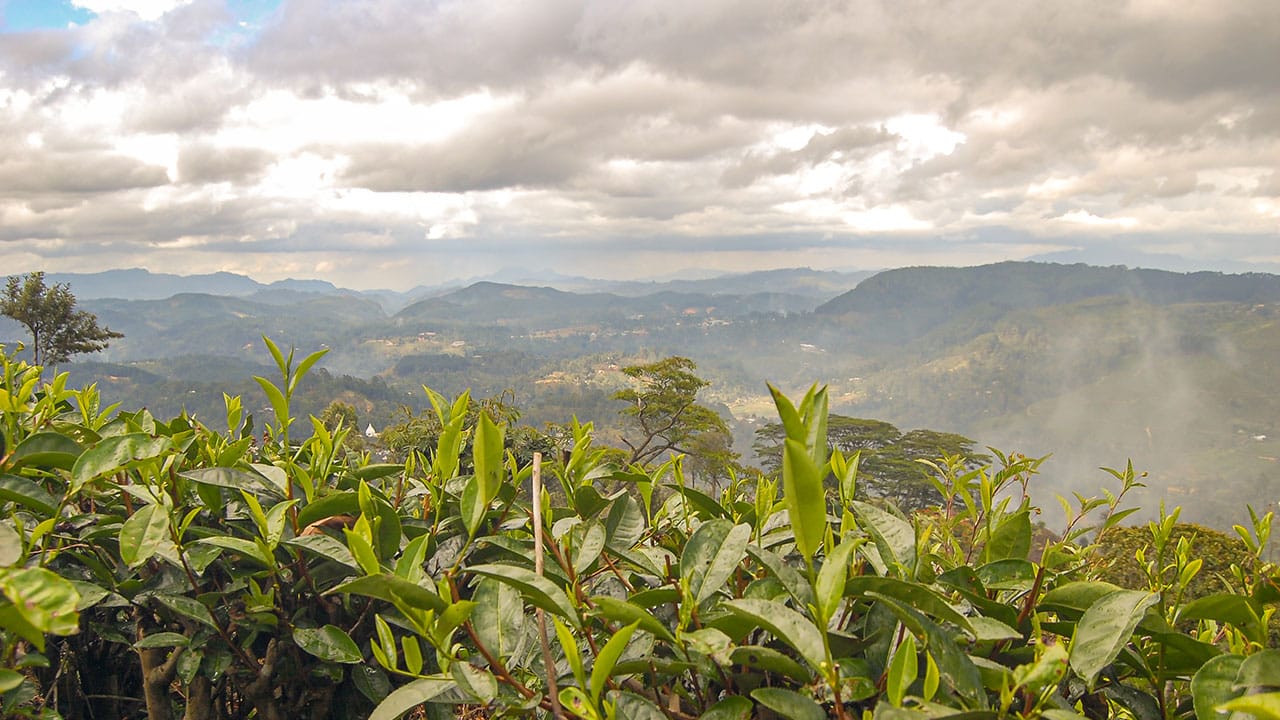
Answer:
(27, 56)
(1268, 185)
(1230, 47)
(481, 162)
(554, 138)
(450, 47)
(197, 104)
(204, 163)
(82, 173)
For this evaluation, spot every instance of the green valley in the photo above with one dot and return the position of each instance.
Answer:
(1095, 365)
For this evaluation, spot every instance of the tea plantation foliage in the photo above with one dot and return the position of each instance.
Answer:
(165, 568)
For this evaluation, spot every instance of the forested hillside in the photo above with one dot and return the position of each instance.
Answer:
(1095, 364)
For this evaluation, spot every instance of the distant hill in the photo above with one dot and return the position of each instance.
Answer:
(544, 307)
(137, 284)
(909, 302)
(1108, 256)
(804, 282)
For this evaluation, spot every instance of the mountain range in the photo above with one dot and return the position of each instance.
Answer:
(139, 284)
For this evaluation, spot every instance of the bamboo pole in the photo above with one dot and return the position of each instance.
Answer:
(547, 661)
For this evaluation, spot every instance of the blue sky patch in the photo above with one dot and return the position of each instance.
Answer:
(20, 15)
(23, 15)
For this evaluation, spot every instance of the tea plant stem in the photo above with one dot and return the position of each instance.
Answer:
(617, 573)
(496, 665)
(1030, 605)
(240, 652)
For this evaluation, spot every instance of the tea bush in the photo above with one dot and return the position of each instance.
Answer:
(168, 569)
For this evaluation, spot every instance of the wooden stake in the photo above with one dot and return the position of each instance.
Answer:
(547, 661)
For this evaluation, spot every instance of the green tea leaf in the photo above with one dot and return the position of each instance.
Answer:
(917, 595)
(393, 589)
(275, 522)
(623, 611)
(163, 639)
(537, 590)
(473, 505)
(734, 707)
(410, 696)
(330, 643)
(784, 623)
(43, 600)
(487, 449)
(578, 703)
(1011, 538)
(804, 496)
(113, 454)
(591, 542)
(1077, 595)
(703, 505)
(142, 534)
(1227, 608)
(498, 617)
(476, 682)
(830, 587)
(279, 405)
(28, 494)
(791, 579)
(608, 657)
(630, 706)
(903, 669)
(189, 608)
(572, 653)
(46, 449)
(789, 704)
(770, 660)
(625, 523)
(1214, 684)
(711, 556)
(325, 546)
(1264, 706)
(1260, 670)
(893, 536)
(247, 548)
(303, 367)
(371, 681)
(10, 679)
(10, 546)
(1104, 630)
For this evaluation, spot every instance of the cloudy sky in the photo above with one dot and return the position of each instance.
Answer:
(388, 143)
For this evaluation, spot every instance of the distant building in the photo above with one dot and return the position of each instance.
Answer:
(369, 432)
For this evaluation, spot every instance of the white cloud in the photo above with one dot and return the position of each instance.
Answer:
(145, 9)
(1084, 217)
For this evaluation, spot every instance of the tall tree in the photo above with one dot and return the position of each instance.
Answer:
(58, 330)
(889, 467)
(665, 416)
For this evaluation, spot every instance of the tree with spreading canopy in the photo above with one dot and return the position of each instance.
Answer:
(664, 416)
(58, 330)
(889, 466)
